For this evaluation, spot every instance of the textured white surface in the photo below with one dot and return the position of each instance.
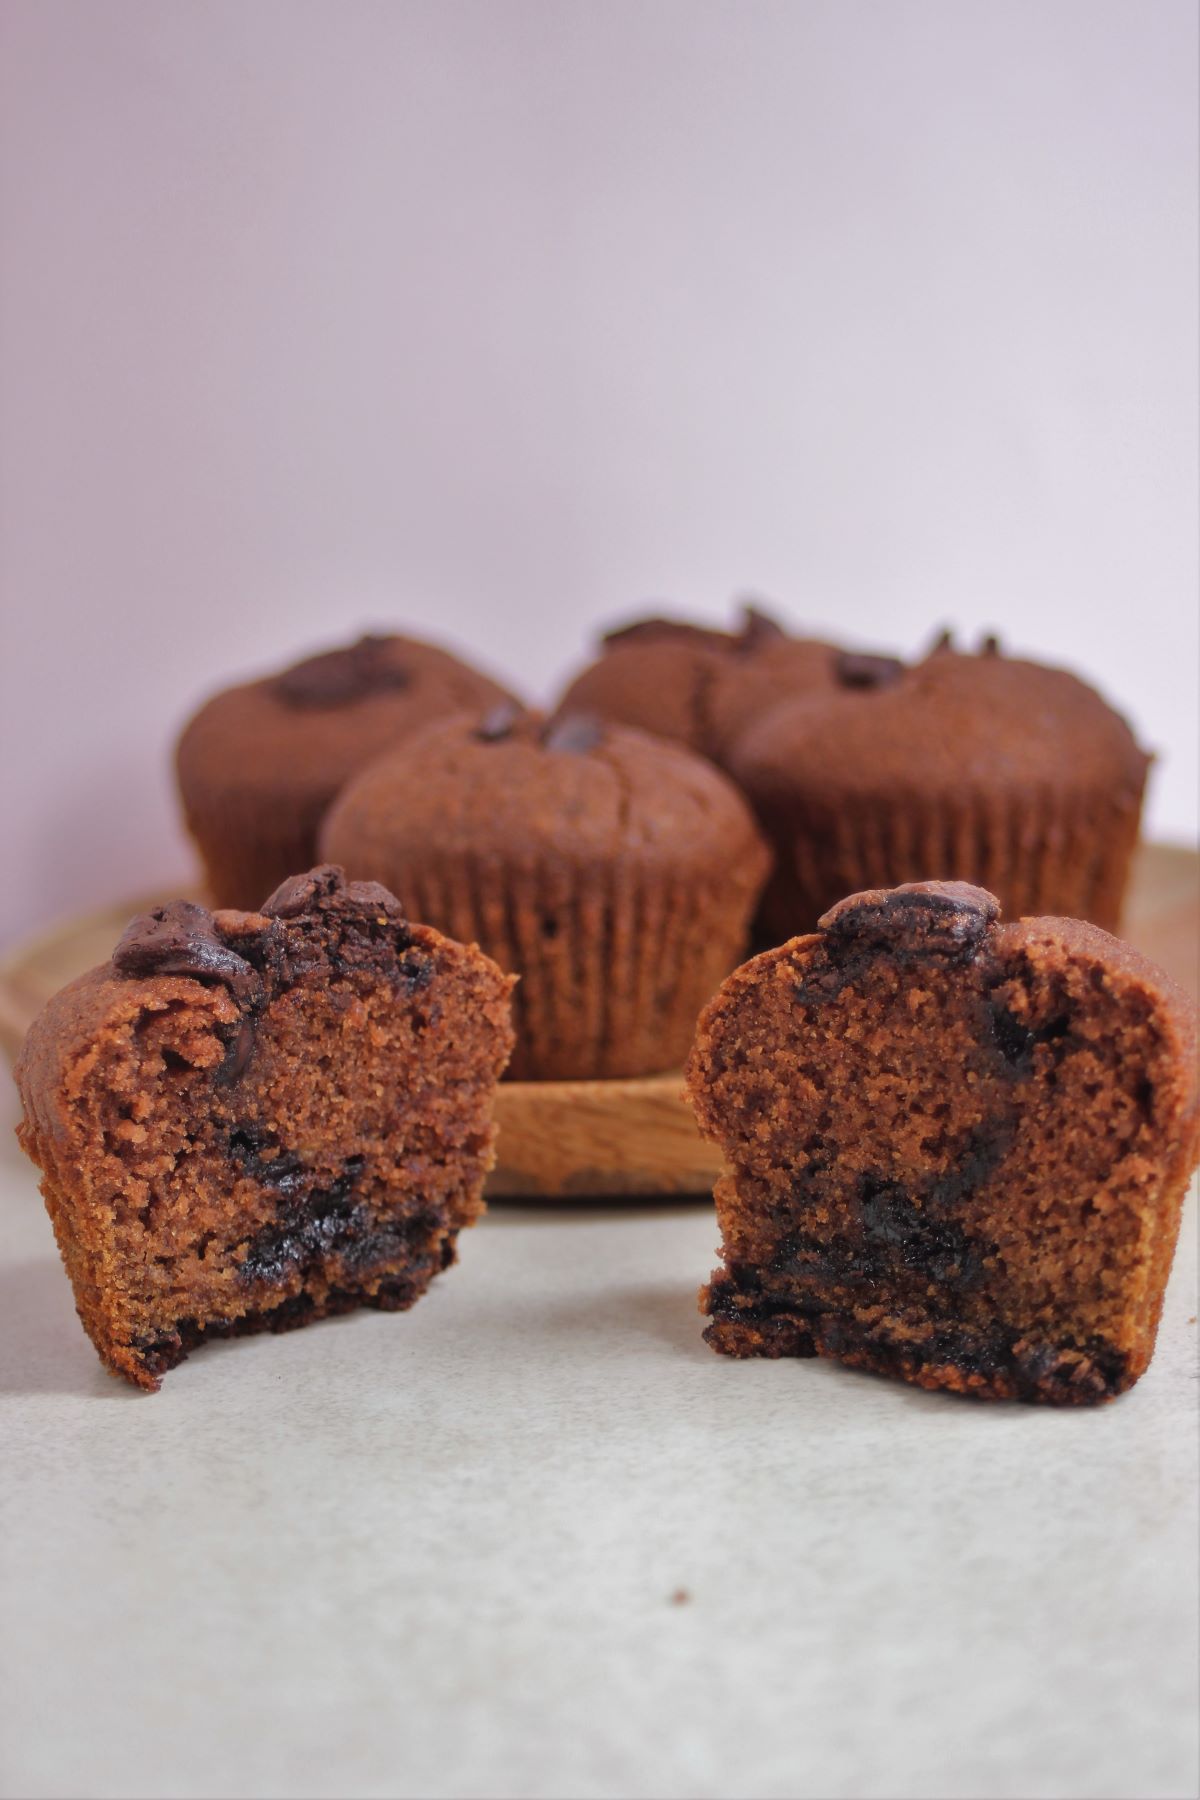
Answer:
(435, 1555)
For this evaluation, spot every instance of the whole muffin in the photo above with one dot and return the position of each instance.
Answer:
(1008, 774)
(698, 686)
(259, 764)
(616, 874)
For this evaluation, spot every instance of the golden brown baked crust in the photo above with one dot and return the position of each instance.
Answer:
(975, 768)
(615, 873)
(956, 1150)
(245, 1121)
(259, 764)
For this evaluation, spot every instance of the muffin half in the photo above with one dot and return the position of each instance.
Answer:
(956, 1150)
(248, 1121)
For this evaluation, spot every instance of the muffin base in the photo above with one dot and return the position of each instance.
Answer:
(614, 966)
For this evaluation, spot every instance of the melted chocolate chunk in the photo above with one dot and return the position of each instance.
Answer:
(414, 972)
(1064, 1375)
(304, 893)
(925, 918)
(181, 939)
(249, 1151)
(1017, 1042)
(945, 919)
(1014, 1041)
(333, 1223)
(165, 1350)
(241, 1043)
(499, 723)
(856, 669)
(901, 1229)
(897, 1236)
(1002, 1357)
(326, 887)
(915, 1237)
(323, 1222)
(379, 950)
(575, 732)
(738, 1293)
(373, 897)
(314, 1223)
(340, 677)
(824, 983)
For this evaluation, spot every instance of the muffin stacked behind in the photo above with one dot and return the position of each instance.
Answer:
(698, 686)
(615, 873)
(260, 763)
(1008, 774)
(862, 772)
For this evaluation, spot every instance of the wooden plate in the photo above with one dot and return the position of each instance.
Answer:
(572, 1140)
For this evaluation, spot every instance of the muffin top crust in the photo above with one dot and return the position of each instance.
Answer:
(309, 726)
(698, 685)
(515, 785)
(954, 722)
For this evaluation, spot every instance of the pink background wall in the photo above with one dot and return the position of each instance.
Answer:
(494, 317)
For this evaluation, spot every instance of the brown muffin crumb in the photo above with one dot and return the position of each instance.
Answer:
(956, 1149)
(246, 1121)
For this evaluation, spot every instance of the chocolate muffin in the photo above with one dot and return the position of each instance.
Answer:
(697, 686)
(246, 1121)
(974, 768)
(955, 1150)
(615, 873)
(259, 764)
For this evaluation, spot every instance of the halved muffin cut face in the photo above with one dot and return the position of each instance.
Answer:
(956, 1150)
(249, 1120)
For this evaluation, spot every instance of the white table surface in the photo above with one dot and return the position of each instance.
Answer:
(436, 1554)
